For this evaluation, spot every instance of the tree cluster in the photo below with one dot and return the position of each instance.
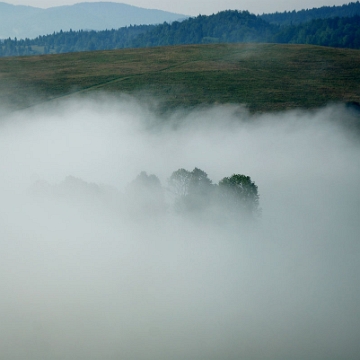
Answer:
(188, 193)
(192, 192)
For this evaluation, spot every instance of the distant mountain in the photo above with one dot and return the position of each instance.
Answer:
(29, 22)
(302, 16)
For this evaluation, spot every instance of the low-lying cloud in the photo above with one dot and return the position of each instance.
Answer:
(84, 277)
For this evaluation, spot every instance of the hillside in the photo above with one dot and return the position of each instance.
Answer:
(29, 22)
(302, 16)
(265, 77)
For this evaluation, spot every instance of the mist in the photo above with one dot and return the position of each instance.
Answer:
(85, 276)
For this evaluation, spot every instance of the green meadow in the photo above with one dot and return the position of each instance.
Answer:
(264, 77)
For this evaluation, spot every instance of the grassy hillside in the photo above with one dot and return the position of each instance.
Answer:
(266, 77)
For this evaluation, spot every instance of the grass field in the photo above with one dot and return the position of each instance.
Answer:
(265, 77)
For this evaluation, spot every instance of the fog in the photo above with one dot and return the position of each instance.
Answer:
(86, 276)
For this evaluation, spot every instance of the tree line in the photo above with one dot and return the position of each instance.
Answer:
(187, 193)
(335, 32)
(73, 41)
(193, 192)
(306, 15)
(224, 27)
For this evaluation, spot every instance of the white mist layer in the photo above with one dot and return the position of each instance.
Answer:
(81, 280)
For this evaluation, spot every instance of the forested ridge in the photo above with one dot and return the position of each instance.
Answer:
(73, 41)
(336, 32)
(224, 27)
(306, 15)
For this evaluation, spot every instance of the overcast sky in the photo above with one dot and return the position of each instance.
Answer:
(196, 7)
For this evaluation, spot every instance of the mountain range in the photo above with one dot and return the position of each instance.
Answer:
(29, 22)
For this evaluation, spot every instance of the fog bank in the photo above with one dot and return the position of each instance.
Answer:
(84, 277)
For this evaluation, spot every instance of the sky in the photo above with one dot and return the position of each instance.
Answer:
(204, 7)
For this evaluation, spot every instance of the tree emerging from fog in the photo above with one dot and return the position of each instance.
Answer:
(145, 194)
(187, 193)
(240, 193)
(194, 191)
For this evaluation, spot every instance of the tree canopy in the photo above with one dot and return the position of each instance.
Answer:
(240, 192)
(189, 193)
(145, 194)
(194, 191)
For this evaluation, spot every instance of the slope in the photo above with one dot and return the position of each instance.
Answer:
(324, 12)
(265, 77)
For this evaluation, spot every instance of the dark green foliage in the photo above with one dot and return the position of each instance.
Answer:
(335, 32)
(226, 26)
(73, 41)
(302, 16)
(236, 195)
(239, 193)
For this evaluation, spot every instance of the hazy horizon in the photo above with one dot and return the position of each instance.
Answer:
(197, 7)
